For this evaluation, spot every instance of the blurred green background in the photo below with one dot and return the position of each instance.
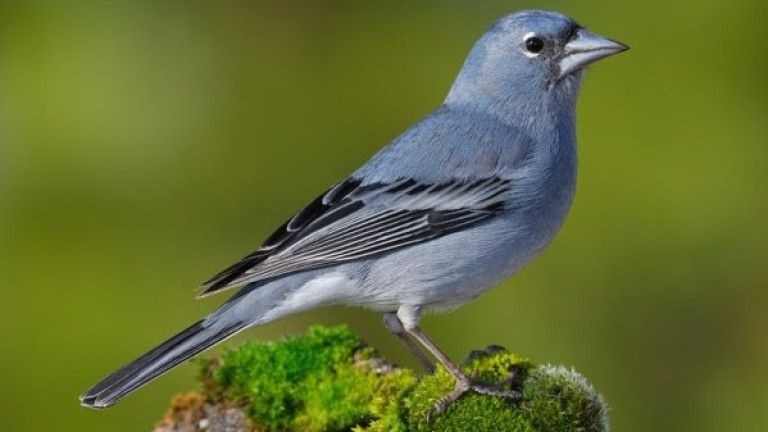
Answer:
(146, 145)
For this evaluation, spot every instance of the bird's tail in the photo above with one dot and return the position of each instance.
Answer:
(193, 340)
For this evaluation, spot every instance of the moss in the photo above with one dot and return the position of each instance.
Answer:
(328, 380)
(560, 399)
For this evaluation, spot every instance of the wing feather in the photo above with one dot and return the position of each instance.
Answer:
(353, 221)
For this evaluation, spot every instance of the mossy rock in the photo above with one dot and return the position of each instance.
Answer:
(328, 380)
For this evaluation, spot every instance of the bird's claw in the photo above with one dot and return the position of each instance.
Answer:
(514, 395)
(462, 387)
(444, 402)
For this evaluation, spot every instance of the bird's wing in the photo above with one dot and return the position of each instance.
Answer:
(354, 220)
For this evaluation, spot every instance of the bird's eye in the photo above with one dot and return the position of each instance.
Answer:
(534, 44)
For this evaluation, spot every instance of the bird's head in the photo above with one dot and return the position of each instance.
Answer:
(527, 56)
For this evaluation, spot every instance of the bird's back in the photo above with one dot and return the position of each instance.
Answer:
(451, 143)
(456, 143)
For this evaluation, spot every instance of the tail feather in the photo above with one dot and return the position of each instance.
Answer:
(191, 341)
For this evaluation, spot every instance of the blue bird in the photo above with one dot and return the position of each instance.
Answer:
(462, 200)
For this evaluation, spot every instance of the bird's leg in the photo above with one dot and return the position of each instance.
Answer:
(395, 327)
(463, 382)
(409, 317)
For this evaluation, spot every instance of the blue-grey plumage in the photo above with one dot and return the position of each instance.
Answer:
(463, 199)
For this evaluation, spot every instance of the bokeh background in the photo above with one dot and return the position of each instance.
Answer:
(145, 145)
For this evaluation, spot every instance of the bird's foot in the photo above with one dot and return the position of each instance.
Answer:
(498, 391)
(466, 385)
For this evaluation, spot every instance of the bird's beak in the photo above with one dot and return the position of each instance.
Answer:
(585, 48)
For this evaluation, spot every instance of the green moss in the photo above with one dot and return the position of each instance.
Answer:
(329, 380)
(554, 400)
(560, 399)
(387, 405)
(316, 382)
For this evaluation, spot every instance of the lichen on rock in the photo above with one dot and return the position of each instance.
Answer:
(328, 380)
